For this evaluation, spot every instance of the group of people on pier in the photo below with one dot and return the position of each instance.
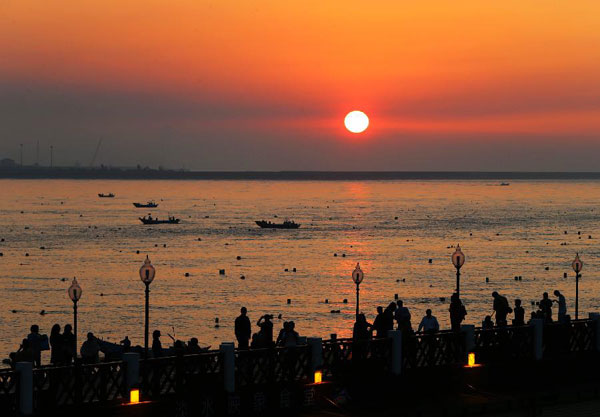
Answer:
(287, 337)
(63, 350)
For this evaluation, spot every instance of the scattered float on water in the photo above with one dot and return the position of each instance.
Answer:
(109, 195)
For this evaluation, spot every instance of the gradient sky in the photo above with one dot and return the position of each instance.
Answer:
(265, 84)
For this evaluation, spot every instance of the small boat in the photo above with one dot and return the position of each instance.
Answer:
(150, 220)
(109, 195)
(288, 224)
(504, 184)
(149, 204)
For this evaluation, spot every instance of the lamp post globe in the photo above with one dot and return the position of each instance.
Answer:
(458, 260)
(147, 273)
(357, 276)
(577, 266)
(75, 292)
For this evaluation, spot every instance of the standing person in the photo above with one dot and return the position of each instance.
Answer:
(519, 319)
(266, 329)
(156, 344)
(546, 307)
(429, 323)
(290, 336)
(403, 318)
(389, 318)
(362, 329)
(562, 307)
(90, 349)
(35, 344)
(457, 312)
(57, 346)
(501, 308)
(69, 344)
(379, 323)
(243, 330)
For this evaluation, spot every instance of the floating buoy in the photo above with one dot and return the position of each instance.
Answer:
(294, 270)
(289, 301)
(547, 268)
(285, 270)
(164, 245)
(335, 254)
(487, 279)
(564, 275)
(343, 255)
(403, 279)
(137, 251)
(327, 301)
(520, 278)
(396, 218)
(187, 274)
(14, 311)
(335, 311)
(397, 280)
(43, 312)
(345, 301)
(516, 278)
(156, 245)
(26, 254)
(199, 239)
(238, 257)
(101, 294)
(395, 296)
(243, 277)
(221, 272)
(430, 260)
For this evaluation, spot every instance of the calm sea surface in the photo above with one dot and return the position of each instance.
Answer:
(529, 228)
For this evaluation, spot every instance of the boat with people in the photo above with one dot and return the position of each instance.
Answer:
(109, 195)
(151, 220)
(149, 204)
(504, 184)
(287, 224)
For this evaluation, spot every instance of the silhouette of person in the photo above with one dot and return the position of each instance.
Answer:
(519, 319)
(546, 307)
(243, 329)
(501, 308)
(193, 347)
(266, 329)
(403, 318)
(35, 344)
(379, 324)
(290, 336)
(487, 323)
(362, 328)
(562, 306)
(90, 349)
(281, 333)
(69, 343)
(24, 353)
(429, 323)
(156, 344)
(457, 312)
(388, 315)
(57, 346)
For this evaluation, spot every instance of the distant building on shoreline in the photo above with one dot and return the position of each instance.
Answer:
(8, 163)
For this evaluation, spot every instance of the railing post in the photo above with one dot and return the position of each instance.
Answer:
(132, 370)
(468, 332)
(538, 338)
(228, 351)
(315, 345)
(396, 363)
(596, 318)
(25, 370)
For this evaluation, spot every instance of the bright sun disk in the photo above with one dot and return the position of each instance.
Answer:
(356, 121)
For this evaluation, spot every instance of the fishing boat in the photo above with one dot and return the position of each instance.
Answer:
(109, 195)
(504, 184)
(288, 224)
(150, 220)
(149, 204)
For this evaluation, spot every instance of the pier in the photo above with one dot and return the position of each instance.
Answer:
(228, 381)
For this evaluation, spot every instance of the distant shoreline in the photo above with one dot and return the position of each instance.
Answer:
(151, 174)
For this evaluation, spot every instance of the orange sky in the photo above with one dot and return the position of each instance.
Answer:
(523, 67)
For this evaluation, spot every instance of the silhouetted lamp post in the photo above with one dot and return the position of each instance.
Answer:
(357, 277)
(75, 294)
(147, 273)
(577, 267)
(458, 259)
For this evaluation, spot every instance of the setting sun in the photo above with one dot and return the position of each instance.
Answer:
(356, 121)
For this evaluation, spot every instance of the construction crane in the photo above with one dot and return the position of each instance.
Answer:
(96, 153)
